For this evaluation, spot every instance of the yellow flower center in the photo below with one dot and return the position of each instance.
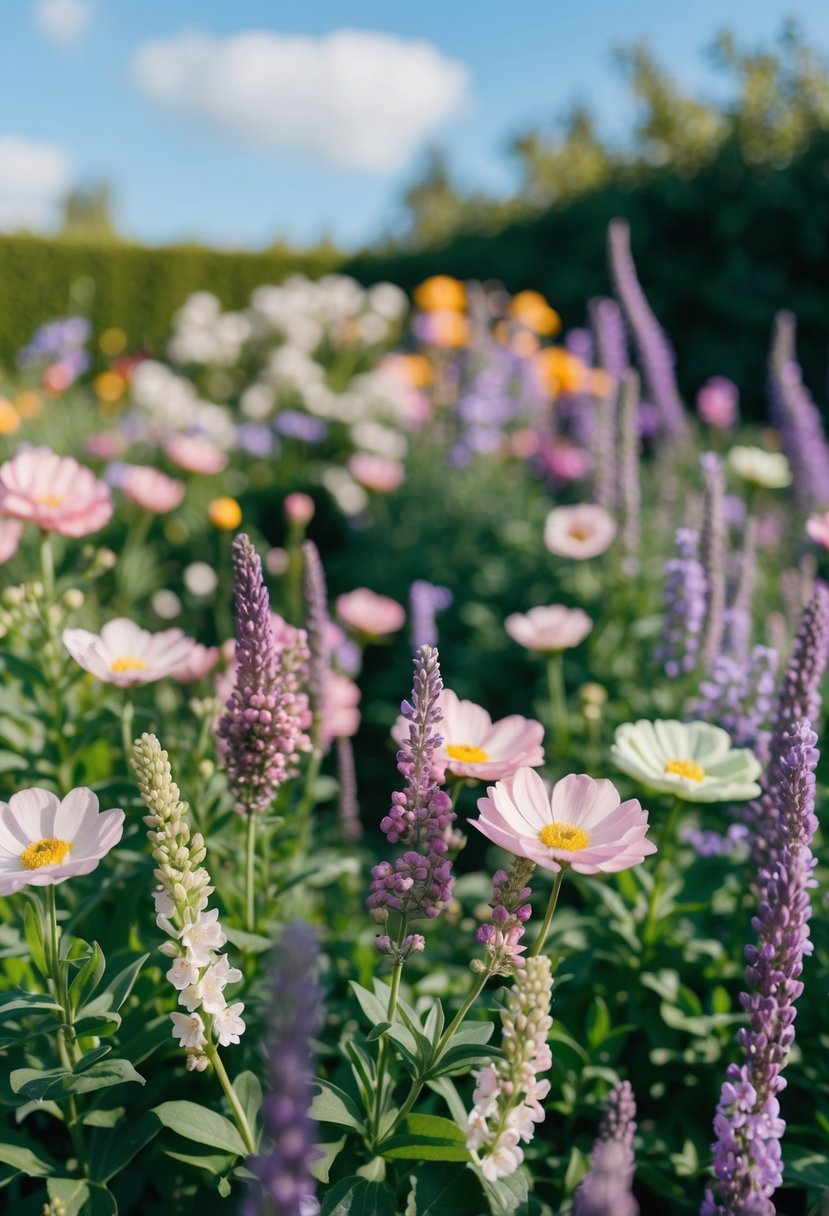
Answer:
(578, 533)
(47, 852)
(686, 768)
(564, 836)
(49, 500)
(467, 754)
(127, 662)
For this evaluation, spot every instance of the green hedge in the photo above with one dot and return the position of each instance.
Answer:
(135, 288)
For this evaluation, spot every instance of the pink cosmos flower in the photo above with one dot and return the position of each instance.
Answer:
(565, 461)
(195, 455)
(817, 529)
(717, 402)
(152, 489)
(11, 531)
(580, 823)
(44, 840)
(124, 654)
(54, 492)
(377, 473)
(106, 445)
(299, 508)
(475, 746)
(548, 629)
(201, 662)
(369, 613)
(582, 531)
(340, 715)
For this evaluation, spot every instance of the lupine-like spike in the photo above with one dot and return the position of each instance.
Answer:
(685, 602)
(350, 825)
(425, 601)
(629, 479)
(316, 601)
(713, 554)
(797, 417)
(605, 1190)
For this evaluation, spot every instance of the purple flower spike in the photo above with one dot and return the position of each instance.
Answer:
(713, 553)
(425, 601)
(606, 1190)
(797, 417)
(316, 602)
(685, 602)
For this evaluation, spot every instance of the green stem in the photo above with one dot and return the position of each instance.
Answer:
(128, 730)
(391, 1011)
(67, 1047)
(235, 1105)
(665, 841)
(47, 568)
(551, 907)
(472, 997)
(558, 702)
(250, 874)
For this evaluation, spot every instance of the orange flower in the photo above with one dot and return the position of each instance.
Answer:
(416, 369)
(449, 329)
(109, 387)
(9, 418)
(225, 514)
(560, 372)
(28, 404)
(529, 308)
(601, 382)
(525, 344)
(441, 293)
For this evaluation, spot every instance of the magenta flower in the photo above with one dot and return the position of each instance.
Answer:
(44, 840)
(369, 613)
(581, 823)
(549, 629)
(582, 531)
(125, 654)
(151, 489)
(54, 492)
(475, 746)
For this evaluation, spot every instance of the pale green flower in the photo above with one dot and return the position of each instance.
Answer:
(760, 468)
(694, 761)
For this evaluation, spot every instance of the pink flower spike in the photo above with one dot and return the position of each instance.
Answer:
(44, 840)
(475, 746)
(580, 532)
(151, 489)
(369, 613)
(124, 654)
(817, 529)
(54, 492)
(582, 823)
(195, 455)
(549, 629)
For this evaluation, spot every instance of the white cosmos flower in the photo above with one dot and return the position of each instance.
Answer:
(228, 1025)
(760, 468)
(44, 840)
(695, 761)
(125, 654)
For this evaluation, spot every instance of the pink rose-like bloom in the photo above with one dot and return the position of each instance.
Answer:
(566, 462)
(817, 529)
(106, 445)
(549, 629)
(377, 473)
(475, 746)
(11, 531)
(152, 489)
(582, 823)
(717, 402)
(582, 531)
(201, 662)
(340, 715)
(44, 840)
(299, 508)
(367, 612)
(124, 654)
(54, 492)
(195, 455)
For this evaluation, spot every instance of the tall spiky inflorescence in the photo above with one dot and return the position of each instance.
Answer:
(350, 825)
(656, 356)
(425, 601)
(286, 1187)
(799, 697)
(794, 412)
(610, 344)
(420, 882)
(738, 695)
(316, 604)
(685, 604)
(198, 972)
(262, 724)
(510, 912)
(747, 1125)
(606, 1189)
(609, 341)
(508, 1094)
(737, 639)
(630, 491)
(713, 554)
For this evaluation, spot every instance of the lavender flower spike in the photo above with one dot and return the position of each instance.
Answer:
(605, 1191)
(747, 1124)
(261, 726)
(655, 354)
(421, 817)
(316, 600)
(284, 1175)
(794, 412)
(713, 553)
(685, 602)
(425, 601)
(629, 478)
(510, 912)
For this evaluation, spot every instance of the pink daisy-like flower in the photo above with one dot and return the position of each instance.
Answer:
(581, 532)
(299, 508)
(817, 529)
(152, 489)
(125, 654)
(195, 455)
(44, 840)
(549, 629)
(340, 715)
(54, 492)
(377, 473)
(367, 612)
(475, 746)
(11, 531)
(581, 823)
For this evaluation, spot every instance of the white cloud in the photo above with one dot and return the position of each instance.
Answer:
(33, 179)
(356, 99)
(63, 21)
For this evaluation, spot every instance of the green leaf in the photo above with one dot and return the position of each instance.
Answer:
(21, 1154)
(16, 1002)
(333, 1105)
(327, 1153)
(196, 1122)
(59, 1083)
(33, 929)
(808, 1168)
(458, 1058)
(427, 1138)
(251, 943)
(86, 981)
(112, 1152)
(597, 1025)
(82, 1198)
(433, 1028)
(120, 984)
(249, 1092)
(209, 1160)
(356, 1196)
(375, 1009)
(377, 1031)
(438, 1189)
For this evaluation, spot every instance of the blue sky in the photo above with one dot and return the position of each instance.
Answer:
(206, 134)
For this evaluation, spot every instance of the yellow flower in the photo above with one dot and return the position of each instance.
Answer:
(225, 514)
(109, 387)
(28, 404)
(441, 293)
(416, 369)
(9, 418)
(449, 329)
(559, 371)
(529, 308)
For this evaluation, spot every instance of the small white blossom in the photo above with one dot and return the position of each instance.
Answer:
(183, 973)
(228, 1025)
(213, 983)
(188, 1028)
(202, 937)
